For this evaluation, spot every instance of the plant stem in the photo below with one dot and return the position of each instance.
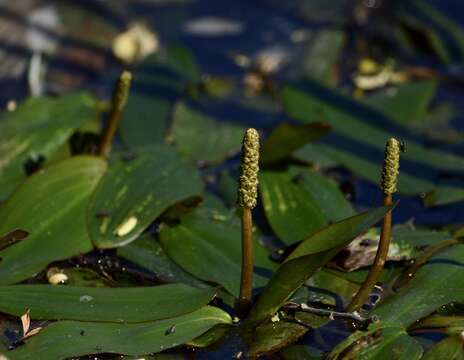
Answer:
(120, 95)
(246, 283)
(388, 182)
(379, 261)
(422, 259)
(247, 198)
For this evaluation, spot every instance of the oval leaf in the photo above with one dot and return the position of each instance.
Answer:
(309, 256)
(134, 193)
(215, 239)
(436, 283)
(38, 127)
(51, 206)
(65, 339)
(136, 304)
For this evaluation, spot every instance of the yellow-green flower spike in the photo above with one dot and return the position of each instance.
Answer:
(391, 165)
(121, 91)
(248, 182)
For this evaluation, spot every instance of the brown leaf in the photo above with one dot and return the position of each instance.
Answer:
(26, 321)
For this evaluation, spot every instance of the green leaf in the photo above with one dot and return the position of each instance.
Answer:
(286, 138)
(66, 339)
(136, 304)
(451, 325)
(200, 137)
(159, 81)
(407, 103)
(324, 191)
(273, 336)
(51, 206)
(38, 127)
(145, 119)
(444, 36)
(449, 349)
(322, 54)
(436, 283)
(310, 255)
(215, 239)
(132, 194)
(379, 342)
(358, 138)
(148, 253)
(291, 211)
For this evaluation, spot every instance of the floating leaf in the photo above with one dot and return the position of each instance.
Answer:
(159, 81)
(215, 239)
(192, 134)
(299, 202)
(287, 138)
(449, 349)
(442, 34)
(436, 283)
(132, 194)
(64, 339)
(51, 206)
(322, 54)
(134, 304)
(380, 342)
(291, 210)
(274, 335)
(405, 104)
(357, 142)
(331, 201)
(148, 253)
(309, 256)
(38, 127)
(12, 237)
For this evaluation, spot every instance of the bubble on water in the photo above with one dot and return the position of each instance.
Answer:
(85, 298)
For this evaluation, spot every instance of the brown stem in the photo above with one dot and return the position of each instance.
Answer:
(246, 283)
(120, 95)
(422, 259)
(379, 261)
(108, 133)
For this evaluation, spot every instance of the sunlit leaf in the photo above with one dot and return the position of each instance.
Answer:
(309, 256)
(379, 342)
(134, 304)
(51, 206)
(133, 193)
(65, 339)
(436, 283)
(193, 135)
(38, 127)
(214, 238)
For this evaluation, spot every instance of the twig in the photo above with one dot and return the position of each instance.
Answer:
(422, 259)
(353, 316)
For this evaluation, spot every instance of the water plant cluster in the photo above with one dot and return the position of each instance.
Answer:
(142, 227)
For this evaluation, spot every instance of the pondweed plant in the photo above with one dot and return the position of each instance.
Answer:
(247, 198)
(388, 185)
(152, 261)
